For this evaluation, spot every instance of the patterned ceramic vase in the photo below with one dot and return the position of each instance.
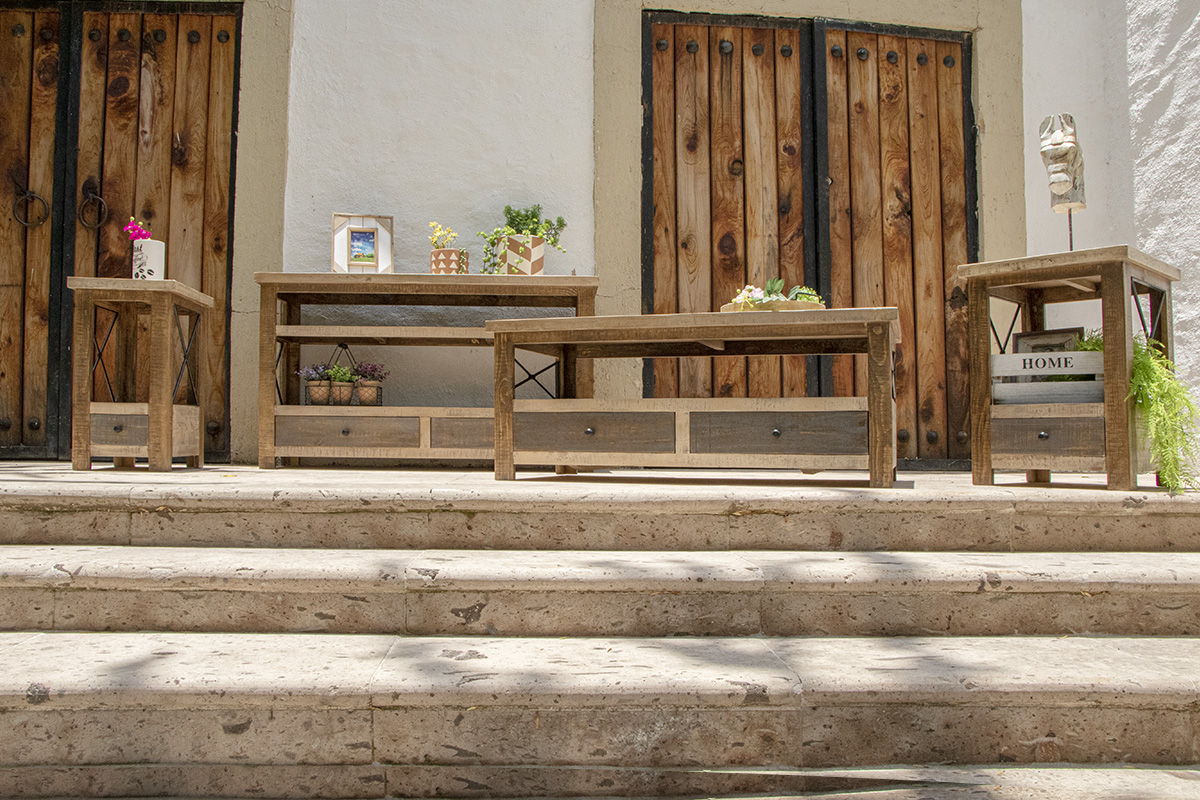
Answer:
(522, 255)
(448, 261)
(149, 259)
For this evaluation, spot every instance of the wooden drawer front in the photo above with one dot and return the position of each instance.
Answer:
(130, 430)
(1061, 436)
(347, 432)
(781, 433)
(611, 431)
(461, 433)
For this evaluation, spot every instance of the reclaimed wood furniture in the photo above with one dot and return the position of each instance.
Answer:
(162, 428)
(288, 429)
(1134, 291)
(804, 433)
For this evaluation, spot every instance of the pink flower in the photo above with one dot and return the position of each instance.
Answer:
(136, 231)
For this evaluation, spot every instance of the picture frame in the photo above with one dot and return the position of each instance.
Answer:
(361, 243)
(1057, 340)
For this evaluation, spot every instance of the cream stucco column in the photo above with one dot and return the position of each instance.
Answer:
(996, 95)
(258, 201)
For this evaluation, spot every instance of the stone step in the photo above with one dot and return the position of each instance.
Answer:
(621, 593)
(624, 510)
(511, 716)
(994, 782)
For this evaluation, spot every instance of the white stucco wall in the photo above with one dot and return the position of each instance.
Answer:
(444, 111)
(1129, 71)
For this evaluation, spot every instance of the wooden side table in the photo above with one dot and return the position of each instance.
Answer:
(160, 429)
(1134, 290)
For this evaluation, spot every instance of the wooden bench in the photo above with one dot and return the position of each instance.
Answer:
(805, 433)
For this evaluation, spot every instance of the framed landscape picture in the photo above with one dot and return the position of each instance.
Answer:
(361, 243)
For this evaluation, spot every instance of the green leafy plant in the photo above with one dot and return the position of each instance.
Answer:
(773, 291)
(339, 374)
(1168, 411)
(519, 222)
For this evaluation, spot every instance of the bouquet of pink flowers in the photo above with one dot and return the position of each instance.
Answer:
(136, 230)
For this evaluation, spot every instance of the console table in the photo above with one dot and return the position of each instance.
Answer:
(160, 429)
(288, 429)
(804, 433)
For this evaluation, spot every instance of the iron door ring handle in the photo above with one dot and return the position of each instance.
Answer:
(25, 197)
(101, 211)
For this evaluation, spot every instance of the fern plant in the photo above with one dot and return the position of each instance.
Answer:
(1168, 411)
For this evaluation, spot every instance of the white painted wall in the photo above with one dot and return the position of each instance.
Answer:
(1129, 70)
(440, 110)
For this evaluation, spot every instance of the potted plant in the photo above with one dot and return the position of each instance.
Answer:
(444, 259)
(149, 254)
(316, 383)
(341, 389)
(368, 383)
(773, 298)
(519, 246)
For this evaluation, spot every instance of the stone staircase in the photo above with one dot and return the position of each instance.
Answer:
(436, 634)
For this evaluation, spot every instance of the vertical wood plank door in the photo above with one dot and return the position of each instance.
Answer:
(897, 184)
(107, 116)
(827, 153)
(729, 186)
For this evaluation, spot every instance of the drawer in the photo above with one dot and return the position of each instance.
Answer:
(347, 431)
(1054, 436)
(126, 430)
(595, 432)
(461, 433)
(779, 433)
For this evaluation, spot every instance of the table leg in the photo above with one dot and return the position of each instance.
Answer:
(584, 372)
(199, 357)
(980, 348)
(568, 382)
(881, 408)
(162, 385)
(268, 313)
(503, 365)
(1120, 429)
(82, 333)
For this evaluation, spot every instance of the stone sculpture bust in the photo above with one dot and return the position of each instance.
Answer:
(1064, 162)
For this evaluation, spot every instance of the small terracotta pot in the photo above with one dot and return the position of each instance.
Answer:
(340, 393)
(318, 393)
(522, 255)
(448, 261)
(367, 392)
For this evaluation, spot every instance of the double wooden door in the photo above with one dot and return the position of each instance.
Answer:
(106, 115)
(821, 152)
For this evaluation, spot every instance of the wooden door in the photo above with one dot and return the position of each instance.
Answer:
(877, 215)
(146, 131)
(730, 176)
(895, 190)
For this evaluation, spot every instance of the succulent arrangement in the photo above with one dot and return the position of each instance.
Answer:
(519, 222)
(752, 295)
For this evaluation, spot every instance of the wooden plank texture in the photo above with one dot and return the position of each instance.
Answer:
(43, 109)
(619, 431)
(16, 37)
(896, 198)
(811, 432)
(728, 192)
(92, 71)
(865, 173)
(789, 156)
(188, 150)
(693, 241)
(954, 241)
(215, 254)
(841, 288)
(666, 279)
(928, 280)
(764, 373)
(349, 431)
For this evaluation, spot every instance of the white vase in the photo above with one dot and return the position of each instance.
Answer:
(149, 259)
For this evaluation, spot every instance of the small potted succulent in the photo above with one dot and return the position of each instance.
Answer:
(519, 246)
(341, 389)
(773, 298)
(444, 259)
(316, 383)
(368, 383)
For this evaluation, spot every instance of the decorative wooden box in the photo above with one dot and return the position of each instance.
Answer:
(1022, 421)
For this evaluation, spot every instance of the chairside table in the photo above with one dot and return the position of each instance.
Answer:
(160, 429)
